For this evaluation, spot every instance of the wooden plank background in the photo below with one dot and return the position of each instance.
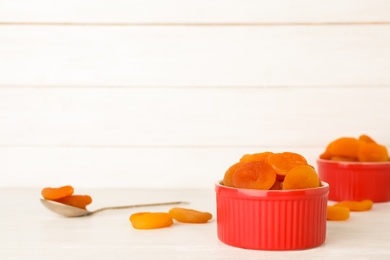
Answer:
(169, 93)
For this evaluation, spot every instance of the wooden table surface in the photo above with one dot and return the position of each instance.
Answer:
(30, 231)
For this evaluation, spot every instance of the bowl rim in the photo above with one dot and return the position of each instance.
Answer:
(232, 191)
(352, 163)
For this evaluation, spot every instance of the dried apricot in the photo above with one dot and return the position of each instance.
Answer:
(342, 159)
(282, 163)
(337, 213)
(150, 220)
(347, 147)
(301, 177)
(255, 157)
(57, 193)
(362, 149)
(254, 175)
(326, 155)
(372, 152)
(189, 215)
(227, 178)
(366, 138)
(363, 205)
(79, 201)
(134, 216)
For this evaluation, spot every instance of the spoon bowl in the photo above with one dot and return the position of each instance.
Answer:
(70, 211)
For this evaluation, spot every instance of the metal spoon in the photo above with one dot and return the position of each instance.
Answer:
(70, 211)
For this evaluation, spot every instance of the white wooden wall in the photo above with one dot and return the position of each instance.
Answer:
(170, 93)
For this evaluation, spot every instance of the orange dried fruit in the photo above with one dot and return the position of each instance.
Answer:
(372, 152)
(367, 139)
(337, 213)
(282, 163)
(342, 159)
(301, 177)
(185, 215)
(78, 201)
(347, 147)
(255, 157)
(362, 149)
(254, 175)
(227, 178)
(150, 220)
(326, 155)
(363, 205)
(49, 193)
(134, 216)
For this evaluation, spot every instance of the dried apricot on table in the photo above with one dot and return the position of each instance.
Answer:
(78, 201)
(254, 175)
(301, 177)
(337, 213)
(185, 215)
(150, 220)
(49, 193)
(363, 205)
(282, 163)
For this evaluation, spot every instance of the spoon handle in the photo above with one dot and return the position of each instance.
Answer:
(138, 206)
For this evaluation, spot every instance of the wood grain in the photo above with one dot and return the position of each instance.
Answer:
(134, 167)
(119, 12)
(151, 93)
(190, 117)
(195, 56)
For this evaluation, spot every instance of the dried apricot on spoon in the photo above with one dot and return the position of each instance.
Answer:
(49, 193)
(78, 201)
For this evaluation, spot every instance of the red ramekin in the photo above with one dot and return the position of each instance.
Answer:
(356, 180)
(272, 219)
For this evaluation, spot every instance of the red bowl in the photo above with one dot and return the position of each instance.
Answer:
(272, 219)
(356, 180)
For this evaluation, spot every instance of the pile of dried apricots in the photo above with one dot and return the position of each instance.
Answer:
(341, 210)
(152, 220)
(272, 171)
(350, 149)
(362, 149)
(140, 220)
(284, 171)
(65, 195)
(263, 171)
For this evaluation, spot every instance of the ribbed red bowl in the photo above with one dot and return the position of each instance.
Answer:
(272, 219)
(356, 180)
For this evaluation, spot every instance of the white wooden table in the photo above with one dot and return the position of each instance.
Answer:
(30, 231)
